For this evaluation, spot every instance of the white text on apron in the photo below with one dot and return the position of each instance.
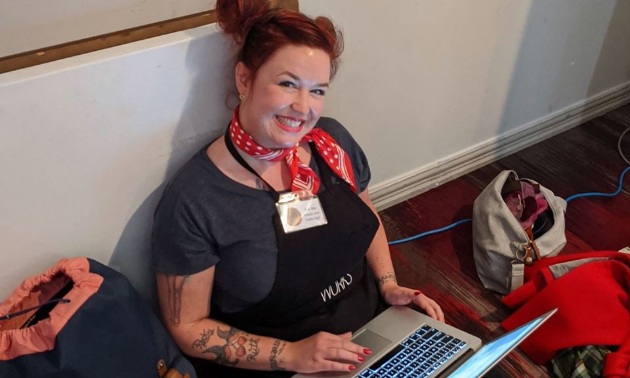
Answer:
(337, 287)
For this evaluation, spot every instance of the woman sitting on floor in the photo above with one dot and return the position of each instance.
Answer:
(268, 250)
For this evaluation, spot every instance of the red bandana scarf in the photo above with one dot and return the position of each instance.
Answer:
(303, 176)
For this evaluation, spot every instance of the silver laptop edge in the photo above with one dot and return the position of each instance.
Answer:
(541, 319)
(389, 329)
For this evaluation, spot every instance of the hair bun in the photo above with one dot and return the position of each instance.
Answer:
(236, 17)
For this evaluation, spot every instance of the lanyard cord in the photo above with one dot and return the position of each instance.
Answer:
(241, 161)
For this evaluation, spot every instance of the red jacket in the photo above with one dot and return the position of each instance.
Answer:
(593, 302)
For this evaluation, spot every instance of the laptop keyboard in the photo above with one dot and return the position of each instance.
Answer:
(418, 356)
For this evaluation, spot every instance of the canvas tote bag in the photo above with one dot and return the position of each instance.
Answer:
(500, 244)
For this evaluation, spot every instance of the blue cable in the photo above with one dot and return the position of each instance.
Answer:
(569, 199)
(596, 194)
(432, 232)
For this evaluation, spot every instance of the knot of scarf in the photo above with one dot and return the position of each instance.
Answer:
(302, 176)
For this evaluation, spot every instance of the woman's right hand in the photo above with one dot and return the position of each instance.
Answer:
(325, 352)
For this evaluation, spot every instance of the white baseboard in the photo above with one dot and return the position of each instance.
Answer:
(408, 185)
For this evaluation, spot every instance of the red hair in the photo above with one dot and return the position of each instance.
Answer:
(260, 31)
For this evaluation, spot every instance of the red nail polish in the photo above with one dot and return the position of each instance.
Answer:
(417, 293)
(367, 351)
(351, 367)
(361, 358)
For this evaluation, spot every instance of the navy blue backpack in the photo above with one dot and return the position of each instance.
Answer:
(82, 319)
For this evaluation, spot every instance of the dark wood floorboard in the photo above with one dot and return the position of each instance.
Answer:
(583, 159)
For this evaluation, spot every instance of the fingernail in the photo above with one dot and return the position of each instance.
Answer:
(361, 358)
(417, 293)
(351, 367)
(367, 351)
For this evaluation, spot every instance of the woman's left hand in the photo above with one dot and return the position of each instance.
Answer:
(399, 296)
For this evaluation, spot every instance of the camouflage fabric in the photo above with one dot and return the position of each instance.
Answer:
(580, 362)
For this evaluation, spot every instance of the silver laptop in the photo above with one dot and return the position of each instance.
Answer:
(406, 343)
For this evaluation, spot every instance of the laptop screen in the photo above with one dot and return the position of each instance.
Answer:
(489, 354)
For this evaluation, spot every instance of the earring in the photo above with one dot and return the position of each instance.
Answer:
(241, 96)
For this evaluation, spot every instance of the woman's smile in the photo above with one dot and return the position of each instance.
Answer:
(289, 124)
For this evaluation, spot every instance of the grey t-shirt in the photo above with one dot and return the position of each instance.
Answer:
(205, 218)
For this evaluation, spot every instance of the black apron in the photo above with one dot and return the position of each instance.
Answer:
(323, 281)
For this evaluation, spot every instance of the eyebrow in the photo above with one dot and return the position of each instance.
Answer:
(296, 77)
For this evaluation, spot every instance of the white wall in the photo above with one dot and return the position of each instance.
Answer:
(86, 143)
(422, 80)
(27, 25)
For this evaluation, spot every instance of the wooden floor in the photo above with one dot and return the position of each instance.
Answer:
(584, 159)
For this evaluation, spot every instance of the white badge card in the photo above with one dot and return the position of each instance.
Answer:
(299, 211)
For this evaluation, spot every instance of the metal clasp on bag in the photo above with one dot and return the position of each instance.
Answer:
(532, 247)
(530, 251)
(529, 260)
(519, 248)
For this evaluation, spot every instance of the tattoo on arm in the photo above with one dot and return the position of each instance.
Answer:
(235, 347)
(253, 349)
(276, 351)
(390, 276)
(175, 284)
(202, 342)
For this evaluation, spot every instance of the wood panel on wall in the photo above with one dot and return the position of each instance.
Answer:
(74, 48)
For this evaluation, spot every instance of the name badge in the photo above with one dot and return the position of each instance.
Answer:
(299, 211)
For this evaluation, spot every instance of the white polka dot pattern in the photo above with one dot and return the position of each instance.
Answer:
(304, 178)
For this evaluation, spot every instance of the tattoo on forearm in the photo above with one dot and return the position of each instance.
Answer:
(253, 349)
(274, 358)
(234, 349)
(202, 342)
(175, 284)
(390, 276)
